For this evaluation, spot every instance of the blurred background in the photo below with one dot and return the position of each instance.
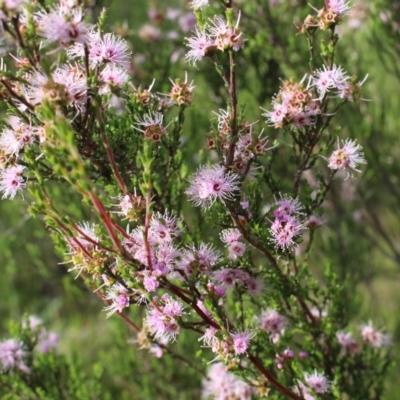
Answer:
(360, 238)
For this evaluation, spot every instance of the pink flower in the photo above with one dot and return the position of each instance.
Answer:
(13, 140)
(14, 6)
(102, 50)
(374, 337)
(162, 319)
(223, 385)
(351, 91)
(201, 259)
(284, 231)
(47, 341)
(255, 286)
(274, 323)
(277, 115)
(236, 250)
(209, 337)
(226, 277)
(73, 82)
(112, 78)
(209, 184)
(348, 343)
(339, 7)
(63, 25)
(150, 283)
(87, 237)
(12, 354)
(346, 157)
(115, 50)
(199, 44)
(241, 341)
(287, 205)
(196, 4)
(318, 382)
(66, 85)
(163, 227)
(230, 235)
(303, 390)
(326, 79)
(11, 181)
(118, 295)
(224, 36)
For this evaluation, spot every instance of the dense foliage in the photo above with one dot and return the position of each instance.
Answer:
(233, 225)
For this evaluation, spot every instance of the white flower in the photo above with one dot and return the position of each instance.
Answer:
(340, 7)
(196, 4)
(347, 157)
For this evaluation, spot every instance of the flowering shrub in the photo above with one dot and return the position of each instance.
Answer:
(264, 321)
(30, 367)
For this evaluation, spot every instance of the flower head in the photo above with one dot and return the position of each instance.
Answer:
(374, 337)
(346, 157)
(339, 7)
(12, 354)
(274, 323)
(348, 343)
(318, 382)
(209, 184)
(63, 25)
(196, 4)
(327, 79)
(241, 341)
(153, 126)
(118, 295)
(109, 49)
(11, 181)
(222, 384)
(199, 45)
(162, 321)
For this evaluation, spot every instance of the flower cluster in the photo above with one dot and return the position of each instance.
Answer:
(285, 358)
(247, 148)
(113, 136)
(156, 251)
(216, 35)
(370, 336)
(197, 260)
(62, 24)
(83, 248)
(222, 384)
(118, 295)
(287, 225)
(181, 92)
(293, 105)
(46, 340)
(232, 237)
(230, 278)
(163, 316)
(329, 16)
(196, 4)
(13, 355)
